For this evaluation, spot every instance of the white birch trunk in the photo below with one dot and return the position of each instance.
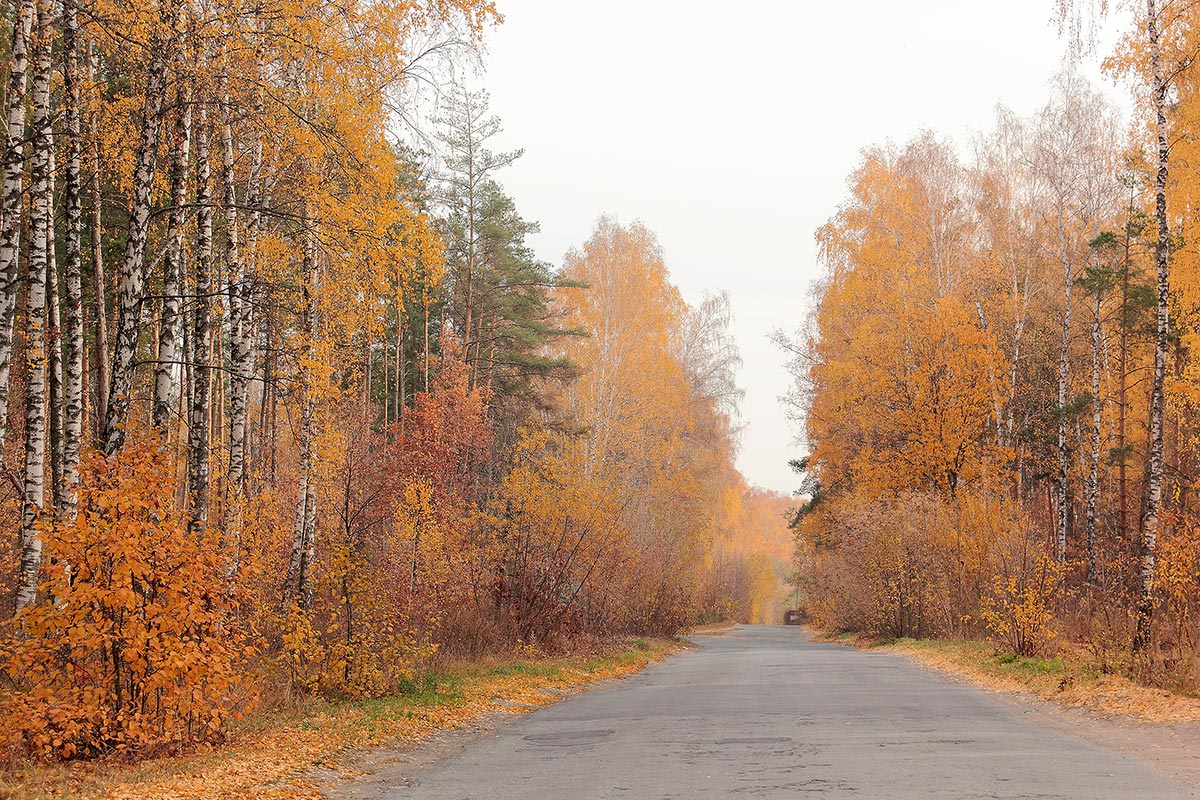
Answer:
(53, 335)
(34, 489)
(198, 429)
(1162, 254)
(166, 382)
(131, 286)
(73, 343)
(12, 198)
(239, 330)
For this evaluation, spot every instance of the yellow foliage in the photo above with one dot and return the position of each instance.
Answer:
(1020, 610)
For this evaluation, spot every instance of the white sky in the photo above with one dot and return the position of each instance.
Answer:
(730, 128)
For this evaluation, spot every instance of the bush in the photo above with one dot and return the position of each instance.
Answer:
(132, 646)
(1019, 611)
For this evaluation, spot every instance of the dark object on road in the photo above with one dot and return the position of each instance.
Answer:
(792, 617)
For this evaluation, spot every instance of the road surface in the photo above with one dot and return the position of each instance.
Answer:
(761, 712)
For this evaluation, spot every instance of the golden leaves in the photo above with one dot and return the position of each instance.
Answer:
(133, 650)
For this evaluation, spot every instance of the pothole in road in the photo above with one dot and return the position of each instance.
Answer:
(561, 738)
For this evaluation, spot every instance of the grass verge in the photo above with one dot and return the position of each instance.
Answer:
(1064, 679)
(270, 755)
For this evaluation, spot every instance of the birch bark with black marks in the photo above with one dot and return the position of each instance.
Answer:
(245, 353)
(37, 265)
(131, 285)
(201, 339)
(73, 341)
(12, 198)
(1162, 255)
(238, 298)
(54, 365)
(166, 370)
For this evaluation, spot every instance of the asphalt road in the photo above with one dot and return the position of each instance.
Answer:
(760, 712)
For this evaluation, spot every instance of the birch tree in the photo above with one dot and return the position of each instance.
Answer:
(1097, 281)
(101, 349)
(12, 196)
(298, 584)
(131, 282)
(1070, 151)
(1162, 333)
(240, 318)
(73, 341)
(41, 240)
(201, 342)
(171, 325)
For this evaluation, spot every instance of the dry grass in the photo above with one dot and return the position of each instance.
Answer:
(1066, 679)
(271, 755)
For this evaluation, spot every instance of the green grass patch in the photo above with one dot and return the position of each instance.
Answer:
(429, 688)
(987, 658)
(1012, 663)
(527, 670)
(634, 653)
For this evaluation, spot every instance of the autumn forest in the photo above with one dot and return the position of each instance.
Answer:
(997, 380)
(292, 411)
(288, 406)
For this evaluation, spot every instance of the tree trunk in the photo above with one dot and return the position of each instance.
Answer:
(167, 368)
(12, 198)
(425, 376)
(1122, 408)
(239, 311)
(248, 354)
(997, 416)
(99, 282)
(399, 367)
(1162, 252)
(1062, 494)
(299, 578)
(132, 281)
(1093, 488)
(40, 234)
(198, 447)
(54, 363)
(73, 343)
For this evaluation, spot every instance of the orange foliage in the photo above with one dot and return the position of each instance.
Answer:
(137, 648)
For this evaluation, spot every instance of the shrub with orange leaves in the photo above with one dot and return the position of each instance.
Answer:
(132, 647)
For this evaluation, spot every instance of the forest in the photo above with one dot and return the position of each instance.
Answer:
(288, 405)
(998, 382)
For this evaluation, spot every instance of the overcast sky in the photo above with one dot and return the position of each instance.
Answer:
(730, 128)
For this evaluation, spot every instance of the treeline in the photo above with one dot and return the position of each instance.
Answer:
(287, 410)
(998, 382)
